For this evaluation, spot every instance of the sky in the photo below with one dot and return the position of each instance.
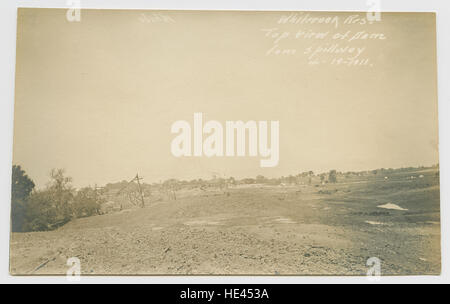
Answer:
(98, 97)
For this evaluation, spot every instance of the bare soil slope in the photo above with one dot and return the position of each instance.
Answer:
(268, 230)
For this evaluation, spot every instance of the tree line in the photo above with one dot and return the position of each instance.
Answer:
(51, 207)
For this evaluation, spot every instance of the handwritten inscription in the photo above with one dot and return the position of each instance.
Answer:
(343, 40)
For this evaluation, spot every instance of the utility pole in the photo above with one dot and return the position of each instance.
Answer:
(141, 194)
(140, 190)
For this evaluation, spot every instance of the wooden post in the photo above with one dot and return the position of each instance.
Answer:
(140, 191)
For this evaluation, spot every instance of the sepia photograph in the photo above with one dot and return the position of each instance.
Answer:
(219, 143)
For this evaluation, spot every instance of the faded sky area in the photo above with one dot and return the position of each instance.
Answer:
(98, 97)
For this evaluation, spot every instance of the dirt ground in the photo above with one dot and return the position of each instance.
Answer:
(328, 229)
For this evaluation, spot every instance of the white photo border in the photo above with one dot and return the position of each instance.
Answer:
(8, 20)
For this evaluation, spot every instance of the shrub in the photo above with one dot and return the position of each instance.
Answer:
(86, 202)
(40, 212)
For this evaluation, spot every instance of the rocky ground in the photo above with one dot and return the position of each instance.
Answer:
(260, 230)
